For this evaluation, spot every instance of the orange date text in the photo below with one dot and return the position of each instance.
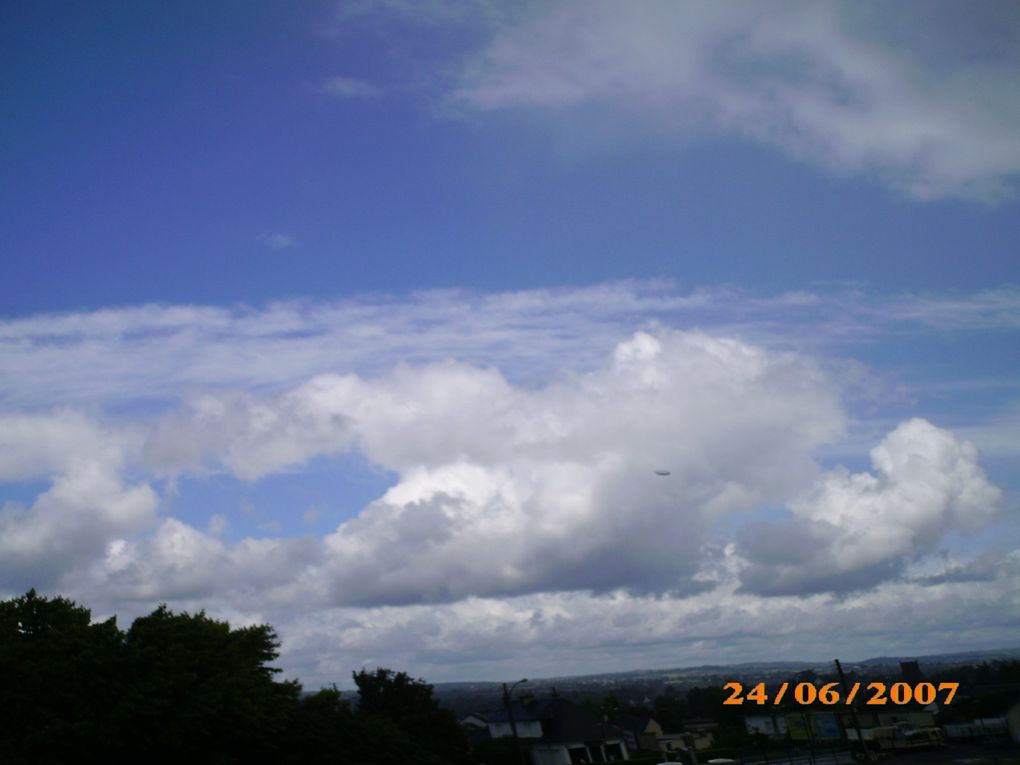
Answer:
(831, 694)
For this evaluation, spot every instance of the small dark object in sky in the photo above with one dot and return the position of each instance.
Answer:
(661, 472)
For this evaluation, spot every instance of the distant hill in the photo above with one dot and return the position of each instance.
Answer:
(963, 657)
(705, 674)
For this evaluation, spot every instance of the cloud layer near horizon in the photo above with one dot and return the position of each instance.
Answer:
(514, 497)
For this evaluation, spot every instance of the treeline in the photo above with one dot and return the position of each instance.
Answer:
(179, 687)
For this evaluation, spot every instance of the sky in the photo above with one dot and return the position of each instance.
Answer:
(380, 321)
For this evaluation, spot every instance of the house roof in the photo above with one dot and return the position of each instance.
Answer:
(521, 714)
(634, 723)
(562, 721)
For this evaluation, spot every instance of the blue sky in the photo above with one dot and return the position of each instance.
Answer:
(373, 319)
(156, 152)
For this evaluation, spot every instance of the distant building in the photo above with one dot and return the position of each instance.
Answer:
(474, 720)
(475, 727)
(1007, 726)
(899, 737)
(1013, 722)
(640, 732)
(773, 726)
(912, 716)
(899, 729)
(699, 738)
(555, 731)
(525, 719)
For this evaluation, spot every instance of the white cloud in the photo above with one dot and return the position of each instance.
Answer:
(279, 241)
(853, 530)
(86, 503)
(158, 353)
(480, 450)
(914, 95)
(218, 525)
(349, 87)
(36, 446)
(249, 435)
(179, 562)
(506, 490)
(544, 634)
(549, 635)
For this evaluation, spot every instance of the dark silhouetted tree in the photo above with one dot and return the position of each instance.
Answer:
(59, 679)
(200, 689)
(188, 688)
(410, 706)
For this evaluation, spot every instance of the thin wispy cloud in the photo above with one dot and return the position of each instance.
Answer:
(159, 351)
(349, 87)
(278, 241)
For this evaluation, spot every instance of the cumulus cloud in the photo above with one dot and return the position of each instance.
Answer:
(920, 96)
(851, 531)
(86, 503)
(180, 562)
(504, 489)
(250, 436)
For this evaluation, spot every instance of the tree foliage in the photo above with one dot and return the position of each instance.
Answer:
(408, 704)
(195, 686)
(58, 677)
(179, 687)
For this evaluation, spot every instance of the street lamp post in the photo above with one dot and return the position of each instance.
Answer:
(510, 714)
(853, 711)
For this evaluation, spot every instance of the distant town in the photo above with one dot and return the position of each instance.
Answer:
(636, 685)
(682, 714)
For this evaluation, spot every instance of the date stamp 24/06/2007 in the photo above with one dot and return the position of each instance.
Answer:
(831, 694)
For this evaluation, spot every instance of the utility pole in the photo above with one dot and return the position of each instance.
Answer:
(810, 738)
(510, 714)
(692, 751)
(853, 710)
